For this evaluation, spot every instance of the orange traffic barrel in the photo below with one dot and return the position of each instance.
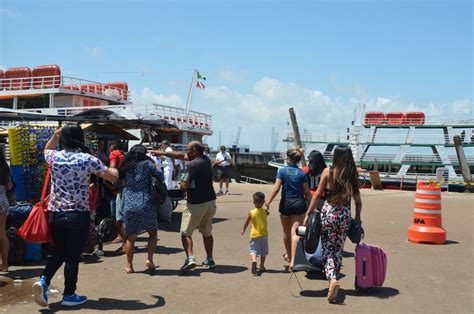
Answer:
(427, 226)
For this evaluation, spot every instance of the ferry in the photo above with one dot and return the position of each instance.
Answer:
(403, 147)
(42, 92)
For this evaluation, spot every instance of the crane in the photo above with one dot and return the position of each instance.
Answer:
(237, 138)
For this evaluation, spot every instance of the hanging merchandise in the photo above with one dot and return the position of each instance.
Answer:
(27, 163)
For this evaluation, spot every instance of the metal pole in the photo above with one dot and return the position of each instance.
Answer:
(296, 130)
(190, 93)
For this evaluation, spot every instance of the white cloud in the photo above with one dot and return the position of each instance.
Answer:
(2, 67)
(147, 96)
(8, 13)
(93, 51)
(268, 103)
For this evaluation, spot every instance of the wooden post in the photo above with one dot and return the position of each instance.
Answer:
(296, 130)
(466, 172)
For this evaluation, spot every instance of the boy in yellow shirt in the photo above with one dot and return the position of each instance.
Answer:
(258, 245)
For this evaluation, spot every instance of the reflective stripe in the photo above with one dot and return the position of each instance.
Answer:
(427, 211)
(422, 200)
(438, 192)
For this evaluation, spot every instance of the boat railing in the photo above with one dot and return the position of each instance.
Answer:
(369, 122)
(253, 180)
(317, 137)
(179, 117)
(25, 85)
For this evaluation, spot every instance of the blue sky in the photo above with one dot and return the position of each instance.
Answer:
(260, 57)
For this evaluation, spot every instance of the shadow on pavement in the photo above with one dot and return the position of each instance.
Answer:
(221, 269)
(24, 273)
(161, 250)
(377, 292)
(175, 223)
(107, 304)
(347, 254)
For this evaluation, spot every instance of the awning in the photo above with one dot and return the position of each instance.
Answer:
(109, 131)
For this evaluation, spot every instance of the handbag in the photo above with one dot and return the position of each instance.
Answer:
(159, 191)
(36, 227)
(356, 232)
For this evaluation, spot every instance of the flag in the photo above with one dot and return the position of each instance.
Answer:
(200, 85)
(201, 76)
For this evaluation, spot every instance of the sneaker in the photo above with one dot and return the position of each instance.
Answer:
(73, 300)
(209, 263)
(40, 292)
(219, 193)
(189, 264)
(227, 192)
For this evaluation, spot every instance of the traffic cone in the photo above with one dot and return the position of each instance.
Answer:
(427, 226)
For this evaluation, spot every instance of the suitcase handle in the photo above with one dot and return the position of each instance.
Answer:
(364, 268)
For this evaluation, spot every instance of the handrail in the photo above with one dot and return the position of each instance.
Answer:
(64, 82)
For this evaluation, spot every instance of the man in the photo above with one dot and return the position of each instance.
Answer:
(168, 164)
(201, 202)
(224, 162)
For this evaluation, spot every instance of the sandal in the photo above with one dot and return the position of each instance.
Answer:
(286, 258)
(149, 265)
(128, 270)
(333, 290)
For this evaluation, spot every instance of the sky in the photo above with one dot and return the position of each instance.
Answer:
(322, 58)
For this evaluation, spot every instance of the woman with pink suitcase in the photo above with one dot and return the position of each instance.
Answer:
(339, 183)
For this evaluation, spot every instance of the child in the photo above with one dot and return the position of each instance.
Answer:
(258, 245)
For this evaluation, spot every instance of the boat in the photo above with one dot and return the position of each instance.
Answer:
(43, 90)
(402, 147)
(38, 99)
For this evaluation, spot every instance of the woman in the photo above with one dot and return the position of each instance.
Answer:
(292, 204)
(136, 173)
(69, 212)
(5, 184)
(340, 184)
(314, 170)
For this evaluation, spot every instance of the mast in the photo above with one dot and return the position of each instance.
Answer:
(296, 130)
(190, 93)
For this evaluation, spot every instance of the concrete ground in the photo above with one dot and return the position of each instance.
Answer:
(420, 278)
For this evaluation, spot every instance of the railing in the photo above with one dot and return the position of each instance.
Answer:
(194, 121)
(414, 122)
(63, 82)
(253, 180)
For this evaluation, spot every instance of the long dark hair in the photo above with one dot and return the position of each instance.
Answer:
(4, 170)
(72, 137)
(316, 162)
(343, 177)
(136, 154)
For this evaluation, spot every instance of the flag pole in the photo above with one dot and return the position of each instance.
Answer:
(190, 93)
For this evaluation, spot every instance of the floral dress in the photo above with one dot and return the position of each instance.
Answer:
(139, 212)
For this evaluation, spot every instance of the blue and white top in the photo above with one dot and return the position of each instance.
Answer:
(70, 178)
(292, 179)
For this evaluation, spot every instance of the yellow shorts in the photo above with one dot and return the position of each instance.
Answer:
(198, 216)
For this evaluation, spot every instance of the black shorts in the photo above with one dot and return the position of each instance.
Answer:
(292, 206)
(223, 172)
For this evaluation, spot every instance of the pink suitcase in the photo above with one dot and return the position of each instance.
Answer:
(371, 266)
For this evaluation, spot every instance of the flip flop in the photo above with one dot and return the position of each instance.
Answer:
(150, 266)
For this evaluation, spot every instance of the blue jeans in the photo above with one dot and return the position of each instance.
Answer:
(70, 231)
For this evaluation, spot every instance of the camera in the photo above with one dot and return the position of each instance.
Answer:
(301, 231)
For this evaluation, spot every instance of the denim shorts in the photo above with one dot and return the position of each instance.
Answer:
(259, 246)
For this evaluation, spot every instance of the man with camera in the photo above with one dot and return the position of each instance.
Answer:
(223, 162)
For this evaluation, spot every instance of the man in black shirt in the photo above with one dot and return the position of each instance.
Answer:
(201, 202)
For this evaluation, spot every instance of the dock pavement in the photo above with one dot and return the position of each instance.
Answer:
(420, 278)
